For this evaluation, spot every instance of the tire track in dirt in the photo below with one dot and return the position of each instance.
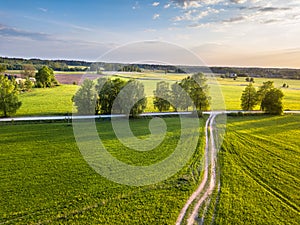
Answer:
(208, 182)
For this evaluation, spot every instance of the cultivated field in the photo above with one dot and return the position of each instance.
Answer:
(44, 178)
(260, 172)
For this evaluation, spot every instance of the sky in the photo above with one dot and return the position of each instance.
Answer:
(220, 32)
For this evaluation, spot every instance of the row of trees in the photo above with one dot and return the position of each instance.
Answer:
(268, 97)
(119, 96)
(110, 96)
(192, 91)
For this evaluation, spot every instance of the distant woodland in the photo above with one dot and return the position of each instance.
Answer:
(75, 65)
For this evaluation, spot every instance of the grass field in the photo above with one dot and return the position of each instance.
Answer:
(57, 101)
(45, 180)
(260, 172)
(47, 101)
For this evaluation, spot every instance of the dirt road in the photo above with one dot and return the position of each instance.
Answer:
(208, 182)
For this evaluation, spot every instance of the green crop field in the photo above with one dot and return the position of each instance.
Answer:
(57, 101)
(45, 180)
(260, 171)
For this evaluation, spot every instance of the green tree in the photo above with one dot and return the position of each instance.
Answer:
(119, 96)
(272, 101)
(28, 84)
(132, 99)
(162, 96)
(249, 98)
(9, 102)
(179, 97)
(2, 68)
(45, 77)
(85, 98)
(197, 92)
(267, 86)
(107, 89)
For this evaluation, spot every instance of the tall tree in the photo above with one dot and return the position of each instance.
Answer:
(162, 96)
(267, 86)
(199, 91)
(85, 98)
(249, 98)
(107, 89)
(45, 77)
(119, 96)
(132, 99)
(272, 101)
(9, 102)
(180, 98)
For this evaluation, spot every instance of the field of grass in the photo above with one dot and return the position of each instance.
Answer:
(47, 101)
(232, 91)
(45, 180)
(260, 171)
(57, 101)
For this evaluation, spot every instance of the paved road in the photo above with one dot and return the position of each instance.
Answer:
(45, 118)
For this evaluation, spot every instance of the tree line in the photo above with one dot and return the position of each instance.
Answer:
(107, 95)
(267, 97)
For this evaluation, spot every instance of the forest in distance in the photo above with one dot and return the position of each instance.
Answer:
(82, 66)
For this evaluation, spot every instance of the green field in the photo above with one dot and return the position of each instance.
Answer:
(57, 101)
(232, 91)
(47, 101)
(260, 171)
(45, 180)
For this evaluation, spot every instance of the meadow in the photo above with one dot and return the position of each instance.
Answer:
(47, 101)
(259, 164)
(57, 101)
(45, 180)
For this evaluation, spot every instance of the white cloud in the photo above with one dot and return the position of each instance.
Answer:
(155, 4)
(195, 15)
(238, 1)
(167, 6)
(155, 16)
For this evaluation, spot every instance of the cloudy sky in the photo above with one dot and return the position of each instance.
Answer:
(221, 32)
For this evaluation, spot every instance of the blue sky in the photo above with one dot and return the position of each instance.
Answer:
(220, 32)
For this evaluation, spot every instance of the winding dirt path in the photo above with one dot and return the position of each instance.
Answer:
(208, 182)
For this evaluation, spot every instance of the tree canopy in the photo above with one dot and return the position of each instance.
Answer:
(162, 96)
(191, 91)
(9, 102)
(269, 98)
(45, 77)
(249, 98)
(272, 101)
(85, 98)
